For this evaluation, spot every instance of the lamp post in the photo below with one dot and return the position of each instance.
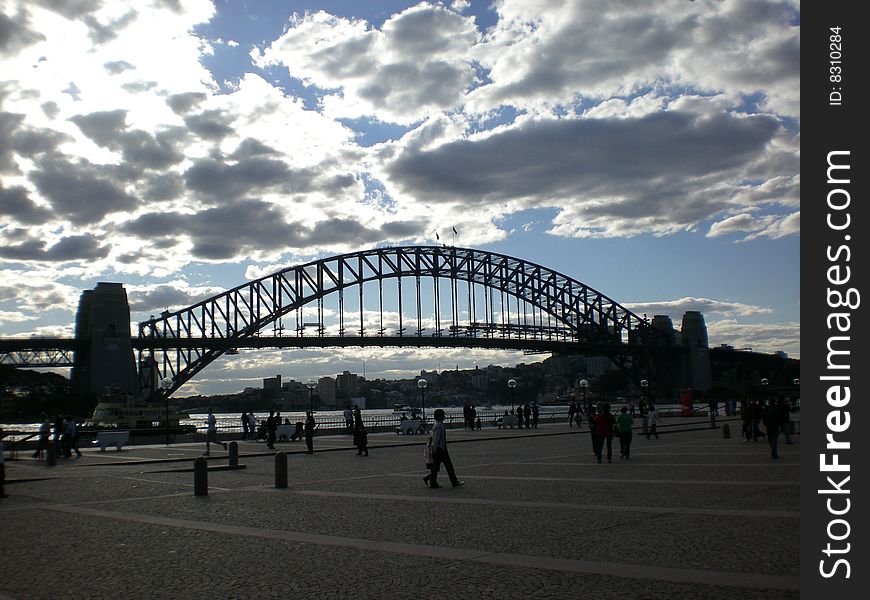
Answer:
(764, 383)
(584, 385)
(166, 385)
(310, 384)
(512, 384)
(796, 405)
(422, 383)
(643, 385)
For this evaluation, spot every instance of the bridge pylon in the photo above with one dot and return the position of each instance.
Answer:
(104, 350)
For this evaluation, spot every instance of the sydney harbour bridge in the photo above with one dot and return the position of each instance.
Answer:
(408, 296)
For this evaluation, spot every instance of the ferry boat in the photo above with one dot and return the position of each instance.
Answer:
(120, 410)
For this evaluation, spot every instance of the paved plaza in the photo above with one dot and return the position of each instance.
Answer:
(692, 515)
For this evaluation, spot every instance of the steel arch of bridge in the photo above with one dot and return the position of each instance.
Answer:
(179, 344)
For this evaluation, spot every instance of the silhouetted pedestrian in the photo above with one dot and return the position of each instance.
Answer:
(440, 455)
(2, 467)
(309, 431)
(527, 413)
(536, 412)
(271, 430)
(252, 425)
(572, 408)
(652, 420)
(624, 424)
(42, 441)
(785, 412)
(211, 433)
(772, 418)
(360, 435)
(746, 419)
(604, 428)
(593, 430)
(519, 417)
(245, 425)
(72, 438)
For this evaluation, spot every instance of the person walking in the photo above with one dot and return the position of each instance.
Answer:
(624, 425)
(572, 408)
(536, 413)
(72, 443)
(593, 429)
(440, 455)
(360, 435)
(309, 431)
(2, 467)
(785, 425)
(652, 421)
(245, 425)
(42, 441)
(252, 425)
(349, 421)
(772, 418)
(604, 429)
(746, 419)
(211, 433)
(271, 429)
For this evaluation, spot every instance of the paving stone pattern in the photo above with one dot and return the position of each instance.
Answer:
(692, 515)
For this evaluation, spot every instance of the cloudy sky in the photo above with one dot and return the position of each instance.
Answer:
(649, 150)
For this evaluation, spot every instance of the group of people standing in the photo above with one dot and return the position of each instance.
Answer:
(62, 435)
(528, 414)
(603, 426)
(776, 418)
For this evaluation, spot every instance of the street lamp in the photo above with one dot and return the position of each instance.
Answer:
(422, 383)
(643, 385)
(583, 386)
(512, 384)
(310, 384)
(166, 385)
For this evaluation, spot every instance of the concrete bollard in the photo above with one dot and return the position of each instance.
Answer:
(50, 456)
(726, 431)
(280, 470)
(234, 454)
(200, 477)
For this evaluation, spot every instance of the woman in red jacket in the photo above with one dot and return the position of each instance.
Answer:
(604, 430)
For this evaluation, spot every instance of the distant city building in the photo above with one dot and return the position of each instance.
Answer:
(347, 384)
(696, 364)
(272, 384)
(326, 391)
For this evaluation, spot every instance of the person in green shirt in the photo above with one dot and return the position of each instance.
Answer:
(624, 423)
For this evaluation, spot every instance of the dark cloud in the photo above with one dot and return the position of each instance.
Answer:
(138, 87)
(217, 179)
(104, 128)
(211, 125)
(18, 138)
(646, 161)
(50, 109)
(162, 187)
(116, 67)
(82, 192)
(15, 204)
(426, 31)
(146, 151)
(81, 247)
(141, 150)
(250, 148)
(223, 232)
(16, 34)
(159, 298)
(101, 33)
(433, 84)
(254, 226)
(71, 9)
(183, 103)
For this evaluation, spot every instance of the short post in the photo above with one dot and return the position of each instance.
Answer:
(726, 431)
(50, 455)
(280, 470)
(200, 477)
(234, 454)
